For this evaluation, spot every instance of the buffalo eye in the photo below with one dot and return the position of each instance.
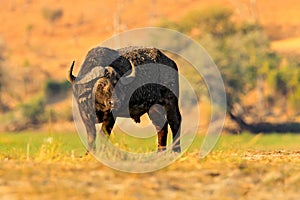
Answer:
(110, 102)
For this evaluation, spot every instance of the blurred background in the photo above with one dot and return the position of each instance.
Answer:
(255, 44)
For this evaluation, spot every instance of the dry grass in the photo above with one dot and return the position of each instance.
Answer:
(236, 169)
(222, 175)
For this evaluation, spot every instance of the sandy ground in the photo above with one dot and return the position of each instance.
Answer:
(221, 175)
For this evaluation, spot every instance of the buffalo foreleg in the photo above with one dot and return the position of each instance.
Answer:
(91, 133)
(108, 123)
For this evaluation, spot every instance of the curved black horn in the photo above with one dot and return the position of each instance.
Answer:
(129, 78)
(95, 73)
(71, 78)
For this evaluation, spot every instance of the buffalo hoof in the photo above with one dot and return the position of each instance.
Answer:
(161, 148)
(176, 149)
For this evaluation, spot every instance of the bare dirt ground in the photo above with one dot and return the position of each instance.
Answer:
(221, 175)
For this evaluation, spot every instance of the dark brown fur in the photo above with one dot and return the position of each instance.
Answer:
(156, 100)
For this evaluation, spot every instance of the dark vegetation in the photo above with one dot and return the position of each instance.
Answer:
(55, 91)
(38, 110)
(3, 107)
(52, 15)
(243, 54)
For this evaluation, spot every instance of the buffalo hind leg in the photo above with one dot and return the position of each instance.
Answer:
(174, 119)
(162, 135)
(157, 115)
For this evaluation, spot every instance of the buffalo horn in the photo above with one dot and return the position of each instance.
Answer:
(71, 77)
(129, 78)
(95, 73)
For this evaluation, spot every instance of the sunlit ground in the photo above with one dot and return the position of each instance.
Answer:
(44, 165)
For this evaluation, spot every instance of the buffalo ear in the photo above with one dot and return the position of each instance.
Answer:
(106, 73)
(111, 73)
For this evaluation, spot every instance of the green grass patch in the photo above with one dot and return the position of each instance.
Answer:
(247, 141)
(41, 145)
(33, 144)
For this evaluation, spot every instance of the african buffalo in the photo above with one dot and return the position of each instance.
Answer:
(102, 86)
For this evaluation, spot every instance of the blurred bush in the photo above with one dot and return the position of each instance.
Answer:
(243, 55)
(56, 90)
(52, 15)
(3, 76)
(34, 111)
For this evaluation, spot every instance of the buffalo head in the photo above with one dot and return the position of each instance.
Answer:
(104, 80)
